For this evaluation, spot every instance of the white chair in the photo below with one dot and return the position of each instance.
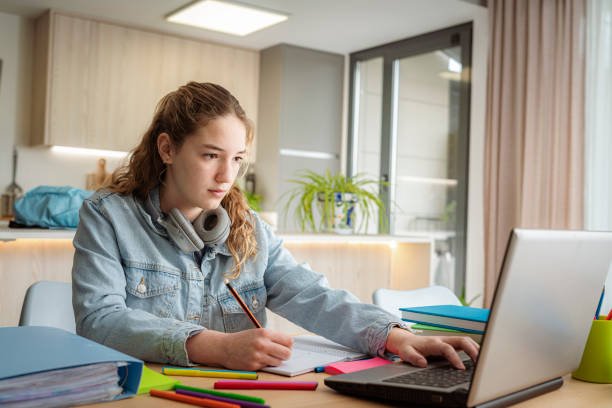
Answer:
(391, 300)
(48, 303)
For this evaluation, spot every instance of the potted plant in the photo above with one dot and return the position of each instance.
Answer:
(253, 200)
(335, 198)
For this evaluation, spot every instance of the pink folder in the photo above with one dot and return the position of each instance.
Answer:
(344, 367)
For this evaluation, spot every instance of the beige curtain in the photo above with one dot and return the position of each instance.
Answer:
(535, 121)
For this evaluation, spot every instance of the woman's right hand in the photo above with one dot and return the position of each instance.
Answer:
(246, 350)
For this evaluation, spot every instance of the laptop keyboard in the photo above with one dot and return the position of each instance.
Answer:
(441, 377)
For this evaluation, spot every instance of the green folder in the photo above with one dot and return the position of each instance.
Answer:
(443, 331)
(152, 379)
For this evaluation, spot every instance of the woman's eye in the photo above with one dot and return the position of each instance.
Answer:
(210, 155)
(238, 159)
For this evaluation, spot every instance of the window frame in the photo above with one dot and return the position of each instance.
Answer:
(458, 35)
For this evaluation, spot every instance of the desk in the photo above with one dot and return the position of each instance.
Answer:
(573, 394)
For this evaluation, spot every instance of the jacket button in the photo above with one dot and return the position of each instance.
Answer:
(254, 301)
(141, 288)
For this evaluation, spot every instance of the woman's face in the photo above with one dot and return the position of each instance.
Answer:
(203, 170)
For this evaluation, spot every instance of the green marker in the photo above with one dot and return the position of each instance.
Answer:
(221, 394)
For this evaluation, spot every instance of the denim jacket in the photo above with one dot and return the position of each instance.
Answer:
(135, 291)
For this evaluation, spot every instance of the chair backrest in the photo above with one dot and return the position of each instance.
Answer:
(391, 300)
(48, 303)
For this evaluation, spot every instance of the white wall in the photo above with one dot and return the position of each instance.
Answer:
(475, 228)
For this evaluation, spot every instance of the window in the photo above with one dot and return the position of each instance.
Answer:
(409, 127)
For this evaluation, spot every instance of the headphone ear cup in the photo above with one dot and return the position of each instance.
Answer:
(185, 236)
(213, 226)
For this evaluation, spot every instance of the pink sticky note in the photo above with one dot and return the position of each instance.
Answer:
(344, 367)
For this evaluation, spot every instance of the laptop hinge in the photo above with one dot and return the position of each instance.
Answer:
(525, 394)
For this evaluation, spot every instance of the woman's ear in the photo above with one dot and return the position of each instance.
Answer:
(165, 148)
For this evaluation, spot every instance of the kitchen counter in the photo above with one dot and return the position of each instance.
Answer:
(358, 263)
(11, 234)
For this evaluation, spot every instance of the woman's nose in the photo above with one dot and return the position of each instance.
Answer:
(226, 172)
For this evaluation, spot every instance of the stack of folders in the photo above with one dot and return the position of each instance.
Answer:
(45, 366)
(447, 320)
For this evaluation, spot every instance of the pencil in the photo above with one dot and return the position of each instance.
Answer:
(201, 402)
(190, 372)
(242, 304)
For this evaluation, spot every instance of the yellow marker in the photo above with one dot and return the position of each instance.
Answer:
(194, 372)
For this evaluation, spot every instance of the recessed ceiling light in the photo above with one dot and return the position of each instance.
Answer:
(231, 18)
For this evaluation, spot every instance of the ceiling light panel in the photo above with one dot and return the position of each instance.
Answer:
(226, 17)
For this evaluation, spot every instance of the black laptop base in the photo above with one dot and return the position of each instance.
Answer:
(420, 398)
(400, 396)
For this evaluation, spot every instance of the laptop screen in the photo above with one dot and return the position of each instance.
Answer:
(542, 310)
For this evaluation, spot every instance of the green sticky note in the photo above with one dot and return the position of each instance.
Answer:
(152, 379)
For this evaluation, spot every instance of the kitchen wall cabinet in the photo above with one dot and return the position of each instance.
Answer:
(300, 119)
(96, 84)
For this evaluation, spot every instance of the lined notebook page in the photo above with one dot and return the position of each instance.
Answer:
(313, 351)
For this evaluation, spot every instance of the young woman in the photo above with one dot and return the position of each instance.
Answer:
(154, 248)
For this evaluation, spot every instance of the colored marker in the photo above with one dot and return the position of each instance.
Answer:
(603, 292)
(201, 402)
(609, 317)
(243, 404)
(221, 393)
(195, 372)
(266, 385)
(319, 369)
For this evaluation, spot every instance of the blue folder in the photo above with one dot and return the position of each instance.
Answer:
(34, 349)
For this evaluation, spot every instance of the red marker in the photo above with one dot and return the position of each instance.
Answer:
(266, 385)
(609, 315)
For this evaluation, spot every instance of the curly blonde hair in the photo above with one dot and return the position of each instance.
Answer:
(180, 114)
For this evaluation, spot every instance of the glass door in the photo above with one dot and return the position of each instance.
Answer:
(366, 140)
(412, 133)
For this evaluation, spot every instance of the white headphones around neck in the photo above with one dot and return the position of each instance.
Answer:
(211, 227)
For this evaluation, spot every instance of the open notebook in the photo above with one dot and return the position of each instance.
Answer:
(313, 351)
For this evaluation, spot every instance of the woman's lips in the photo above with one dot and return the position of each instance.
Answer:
(217, 193)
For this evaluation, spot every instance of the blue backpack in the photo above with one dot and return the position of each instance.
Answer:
(50, 207)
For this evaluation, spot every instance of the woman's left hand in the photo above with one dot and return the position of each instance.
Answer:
(414, 349)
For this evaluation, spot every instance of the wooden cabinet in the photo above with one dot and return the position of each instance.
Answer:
(96, 84)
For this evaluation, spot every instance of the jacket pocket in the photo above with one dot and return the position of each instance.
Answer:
(152, 290)
(234, 318)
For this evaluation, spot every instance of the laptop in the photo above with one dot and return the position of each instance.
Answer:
(544, 303)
